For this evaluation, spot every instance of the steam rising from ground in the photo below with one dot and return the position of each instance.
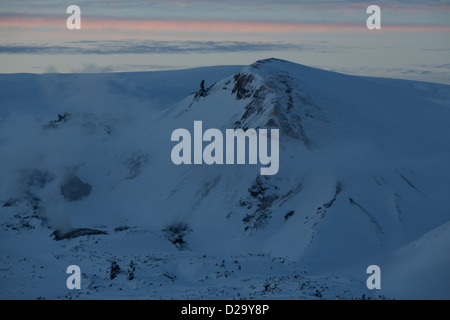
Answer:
(39, 152)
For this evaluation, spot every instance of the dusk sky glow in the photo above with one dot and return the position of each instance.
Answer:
(414, 42)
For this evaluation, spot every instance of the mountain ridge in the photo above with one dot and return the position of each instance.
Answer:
(362, 171)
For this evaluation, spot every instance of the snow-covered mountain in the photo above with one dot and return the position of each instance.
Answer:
(87, 179)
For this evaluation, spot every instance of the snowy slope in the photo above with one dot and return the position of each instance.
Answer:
(363, 173)
(421, 266)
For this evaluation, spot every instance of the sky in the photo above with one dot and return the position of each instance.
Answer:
(138, 35)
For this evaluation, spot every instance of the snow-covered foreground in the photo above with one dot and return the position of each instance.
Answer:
(149, 267)
(86, 178)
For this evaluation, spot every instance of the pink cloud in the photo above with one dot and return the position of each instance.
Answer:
(218, 26)
(209, 26)
(31, 22)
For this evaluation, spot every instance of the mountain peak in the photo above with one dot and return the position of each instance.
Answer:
(270, 95)
(268, 60)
